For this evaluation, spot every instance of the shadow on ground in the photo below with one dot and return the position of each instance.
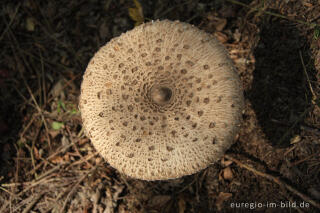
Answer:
(278, 94)
(10, 124)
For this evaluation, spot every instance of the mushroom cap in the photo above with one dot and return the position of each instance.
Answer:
(161, 101)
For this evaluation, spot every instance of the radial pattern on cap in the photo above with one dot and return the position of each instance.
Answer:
(161, 101)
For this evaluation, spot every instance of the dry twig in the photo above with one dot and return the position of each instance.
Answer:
(314, 97)
(11, 21)
(73, 190)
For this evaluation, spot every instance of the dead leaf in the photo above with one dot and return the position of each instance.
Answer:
(65, 141)
(54, 133)
(136, 13)
(57, 160)
(236, 137)
(226, 163)
(221, 37)
(220, 176)
(95, 183)
(227, 173)
(237, 35)
(36, 153)
(66, 157)
(98, 160)
(83, 141)
(221, 198)
(295, 139)
(307, 4)
(218, 23)
(86, 166)
(241, 61)
(57, 90)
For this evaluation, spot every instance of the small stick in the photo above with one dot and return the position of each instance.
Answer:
(109, 204)
(44, 92)
(31, 204)
(10, 193)
(27, 126)
(33, 183)
(96, 198)
(314, 97)
(289, 150)
(47, 173)
(66, 84)
(61, 149)
(277, 180)
(11, 21)
(77, 150)
(31, 150)
(21, 68)
(88, 157)
(70, 194)
(304, 159)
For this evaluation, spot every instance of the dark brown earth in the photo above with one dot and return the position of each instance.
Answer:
(48, 165)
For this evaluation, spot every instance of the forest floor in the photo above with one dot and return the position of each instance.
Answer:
(47, 164)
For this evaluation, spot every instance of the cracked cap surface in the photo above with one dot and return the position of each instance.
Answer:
(161, 101)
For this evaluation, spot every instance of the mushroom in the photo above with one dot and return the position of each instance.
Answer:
(161, 101)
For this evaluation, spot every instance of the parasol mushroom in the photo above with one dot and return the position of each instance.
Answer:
(161, 101)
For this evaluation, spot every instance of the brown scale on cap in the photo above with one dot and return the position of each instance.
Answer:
(161, 101)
